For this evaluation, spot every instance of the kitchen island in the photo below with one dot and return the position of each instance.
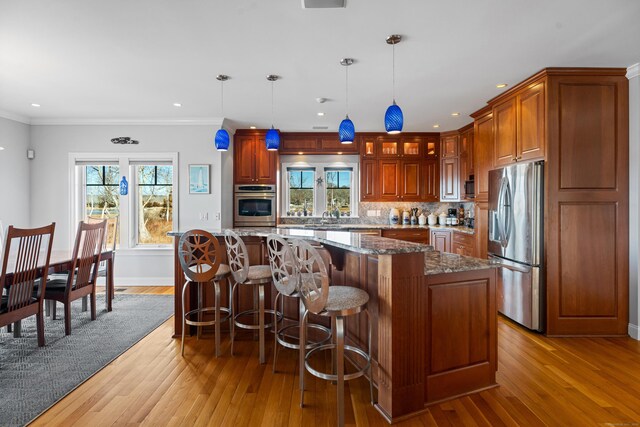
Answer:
(434, 314)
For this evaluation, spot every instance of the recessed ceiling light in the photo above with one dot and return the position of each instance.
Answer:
(1, 148)
(436, 126)
(455, 114)
(501, 85)
(252, 127)
(321, 114)
(35, 105)
(177, 104)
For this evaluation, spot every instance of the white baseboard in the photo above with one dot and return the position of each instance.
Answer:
(634, 332)
(140, 281)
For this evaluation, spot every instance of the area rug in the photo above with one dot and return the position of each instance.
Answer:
(33, 378)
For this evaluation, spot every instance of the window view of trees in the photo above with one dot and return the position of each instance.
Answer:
(102, 194)
(338, 190)
(155, 203)
(301, 192)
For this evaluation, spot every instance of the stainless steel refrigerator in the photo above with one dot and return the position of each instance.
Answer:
(516, 241)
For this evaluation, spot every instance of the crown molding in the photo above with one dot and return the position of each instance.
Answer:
(202, 121)
(15, 117)
(633, 71)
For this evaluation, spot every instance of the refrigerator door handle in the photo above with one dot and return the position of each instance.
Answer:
(509, 266)
(504, 212)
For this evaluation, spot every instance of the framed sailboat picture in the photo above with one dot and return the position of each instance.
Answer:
(199, 179)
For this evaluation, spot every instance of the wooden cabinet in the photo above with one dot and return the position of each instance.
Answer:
(463, 244)
(252, 162)
(313, 143)
(449, 167)
(531, 123)
(441, 240)
(466, 159)
(450, 180)
(416, 235)
(519, 126)
(577, 120)
(368, 179)
(449, 144)
(399, 168)
(431, 180)
(389, 180)
(483, 153)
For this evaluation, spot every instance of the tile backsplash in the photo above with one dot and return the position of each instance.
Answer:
(364, 208)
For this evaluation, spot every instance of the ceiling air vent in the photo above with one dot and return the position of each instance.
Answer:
(322, 4)
(320, 127)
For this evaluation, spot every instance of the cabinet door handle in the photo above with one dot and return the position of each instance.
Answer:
(515, 159)
(519, 157)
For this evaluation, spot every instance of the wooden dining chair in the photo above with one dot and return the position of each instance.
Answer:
(25, 263)
(109, 243)
(81, 279)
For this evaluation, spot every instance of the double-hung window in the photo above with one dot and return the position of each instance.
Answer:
(154, 198)
(338, 189)
(301, 194)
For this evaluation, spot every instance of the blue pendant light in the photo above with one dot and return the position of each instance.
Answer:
(347, 131)
(222, 136)
(393, 118)
(272, 138)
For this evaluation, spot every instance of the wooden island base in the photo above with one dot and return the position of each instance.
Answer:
(434, 335)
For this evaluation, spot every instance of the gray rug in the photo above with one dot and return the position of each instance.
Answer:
(34, 378)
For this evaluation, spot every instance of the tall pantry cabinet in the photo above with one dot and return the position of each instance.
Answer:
(576, 119)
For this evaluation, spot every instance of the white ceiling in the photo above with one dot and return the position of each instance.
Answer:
(133, 59)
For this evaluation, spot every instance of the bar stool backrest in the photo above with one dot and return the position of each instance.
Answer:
(283, 265)
(237, 256)
(313, 278)
(199, 254)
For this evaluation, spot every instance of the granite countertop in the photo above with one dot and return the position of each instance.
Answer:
(354, 242)
(346, 227)
(436, 262)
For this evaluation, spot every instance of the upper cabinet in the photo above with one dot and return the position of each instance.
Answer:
(519, 126)
(466, 159)
(252, 162)
(399, 168)
(450, 166)
(311, 143)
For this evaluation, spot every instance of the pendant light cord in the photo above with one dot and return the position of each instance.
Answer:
(347, 91)
(394, 72)
(272, 114)
(222, 98)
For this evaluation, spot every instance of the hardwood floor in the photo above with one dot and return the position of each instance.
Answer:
(543, 381)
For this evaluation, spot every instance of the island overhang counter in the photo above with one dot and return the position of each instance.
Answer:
(434, 314)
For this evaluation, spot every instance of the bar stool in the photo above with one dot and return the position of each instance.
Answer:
(253, 275)
(335, 302)
(199, 253)
(285, 278)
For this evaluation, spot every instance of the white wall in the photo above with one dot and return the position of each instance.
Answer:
(194, 144)
(14, 173)
(634, 196)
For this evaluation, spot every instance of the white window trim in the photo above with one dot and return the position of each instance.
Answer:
(128, 223)
(320, 203)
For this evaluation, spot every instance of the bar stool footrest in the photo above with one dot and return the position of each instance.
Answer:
(281, 337)
(227, 316)
(333, 377)
(256, 327)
